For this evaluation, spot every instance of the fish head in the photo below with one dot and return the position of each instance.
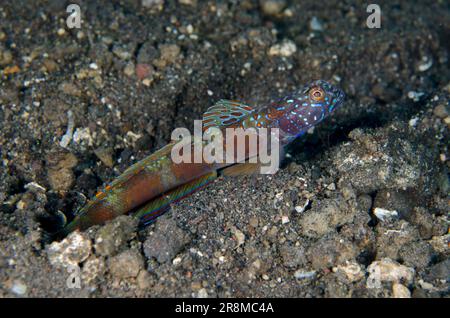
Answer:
(308, 106)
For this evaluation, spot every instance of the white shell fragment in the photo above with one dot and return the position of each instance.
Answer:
(384, 215)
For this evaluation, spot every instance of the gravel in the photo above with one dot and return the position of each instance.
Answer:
(158, 245)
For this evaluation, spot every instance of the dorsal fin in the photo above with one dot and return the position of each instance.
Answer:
(225, 113)
(141, 165)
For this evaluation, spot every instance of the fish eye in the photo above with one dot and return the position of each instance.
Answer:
(317, 94)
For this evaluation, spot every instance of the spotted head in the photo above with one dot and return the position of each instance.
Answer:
(307, 107)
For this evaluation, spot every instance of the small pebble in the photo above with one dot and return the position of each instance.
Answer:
(202, 293)
(122, 52)
(19, 288)
(144, 70)
(146, 81)
(286, 48)
(441, 111)
(384, 215)
(105, 155)
(413, 122)
(239, 236)
(129, 69)
(400, 291)
(301, 208)
(415, 96)
(315, 24)
(254, 222)
(272, 7)
(299, 274)
(426, 65)
(169, 53)
(83, 136)
(176, 261)
(387, 270)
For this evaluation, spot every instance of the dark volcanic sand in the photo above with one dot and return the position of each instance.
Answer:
(132, 73)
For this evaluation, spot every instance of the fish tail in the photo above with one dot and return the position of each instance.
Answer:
(155, 208)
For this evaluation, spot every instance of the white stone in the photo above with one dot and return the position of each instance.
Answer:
(202, 293)
(413, 122)
(315, 24)
(83, 135)
(299, 274)
(71, 251)
(301, 208)
(176, 261)
(400, 291)
(19, 288)
(428, 63)
(387, 270)
(383, 214)
(286, 48)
